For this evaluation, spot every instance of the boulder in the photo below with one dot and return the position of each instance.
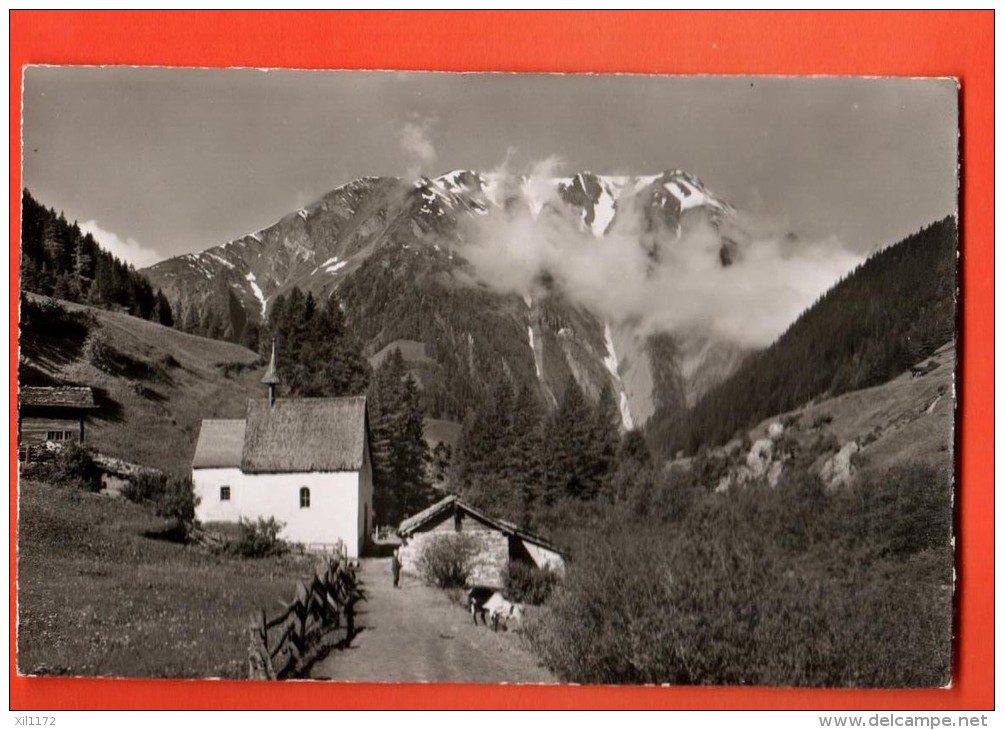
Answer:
(760, 456)
(838, 471)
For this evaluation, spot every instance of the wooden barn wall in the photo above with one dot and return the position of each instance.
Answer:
(35, 430)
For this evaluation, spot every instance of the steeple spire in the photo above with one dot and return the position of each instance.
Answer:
(271, 378)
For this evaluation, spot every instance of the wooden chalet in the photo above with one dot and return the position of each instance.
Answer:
(53, 414)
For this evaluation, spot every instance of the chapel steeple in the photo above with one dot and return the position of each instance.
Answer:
(271, 378)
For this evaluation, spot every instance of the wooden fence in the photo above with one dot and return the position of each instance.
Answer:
(321, 615)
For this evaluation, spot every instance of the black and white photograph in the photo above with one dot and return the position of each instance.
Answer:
(500, 378)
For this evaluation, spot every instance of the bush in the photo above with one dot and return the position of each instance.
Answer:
(177, 501)
(71, 466)
(170, 497)
(103, 355)
(446, 560)
(900, 511)
(258, 538)
(49, 318)
(780, 587)
(144, 487)
(526, 583)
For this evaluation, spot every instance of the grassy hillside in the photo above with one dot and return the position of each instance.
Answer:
(97, 596)
(153, 384)
(907, 420)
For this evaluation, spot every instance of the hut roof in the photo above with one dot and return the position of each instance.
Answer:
(63, 396)
(447, 505)
(304, 434)
(220, 445)
(417, 520)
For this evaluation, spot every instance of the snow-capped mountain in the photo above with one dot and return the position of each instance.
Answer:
(394, 251)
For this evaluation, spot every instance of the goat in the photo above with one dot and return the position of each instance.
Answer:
(501, 610)
(476, 599)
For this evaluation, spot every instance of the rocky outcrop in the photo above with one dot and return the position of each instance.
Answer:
(764, 461)
(838, 470)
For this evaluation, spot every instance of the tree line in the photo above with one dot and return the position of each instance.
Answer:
(59, 260)
(516, 460)
(318, 356)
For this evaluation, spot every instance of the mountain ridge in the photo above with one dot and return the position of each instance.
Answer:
(351, 237)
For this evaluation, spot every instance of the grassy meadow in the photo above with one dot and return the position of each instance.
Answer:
(100, 594)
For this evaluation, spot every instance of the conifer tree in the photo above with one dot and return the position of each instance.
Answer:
(400, 455)
(162, 310)
(568, 468)
(523, 470)
(60, 260)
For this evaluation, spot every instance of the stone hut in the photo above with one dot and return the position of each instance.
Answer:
(500, 542)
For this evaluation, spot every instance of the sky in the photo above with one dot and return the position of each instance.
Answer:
(158, 162)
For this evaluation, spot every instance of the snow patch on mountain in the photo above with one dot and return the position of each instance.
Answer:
(221, 260)
(688, 196)
(533, 349)
(603, 211)
(625, 416)
(330, 266)
(257, 292)
(451, 181)
(642, 182)
(613, 366)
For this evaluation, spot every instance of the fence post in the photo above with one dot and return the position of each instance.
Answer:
(264, 632)
(259, 661)
(350, 614)
(334, 588)
(303, 599)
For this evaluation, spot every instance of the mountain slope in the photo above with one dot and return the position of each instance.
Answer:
(153, 384)
(891, 312)
(393, 250)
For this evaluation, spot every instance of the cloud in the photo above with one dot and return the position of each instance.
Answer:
(415, 139)
(129, 250)
(661, 281)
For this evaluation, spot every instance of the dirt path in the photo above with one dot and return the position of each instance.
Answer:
(415, 634)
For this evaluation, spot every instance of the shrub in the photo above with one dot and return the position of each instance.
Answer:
(170, 497)
(103, 355)
(71, 466)
(177, 501)
(789, 587)
(526, 583)
(258, 538)
(234, 368)
(718, 610)
(446, 560)
(49, 317)
(144, 487)
(900, 511)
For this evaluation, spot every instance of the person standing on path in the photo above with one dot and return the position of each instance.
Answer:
(395, 568)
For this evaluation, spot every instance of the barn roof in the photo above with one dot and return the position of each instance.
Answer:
(448, 504)
(304, 434)
(62, 396)
(220, 445)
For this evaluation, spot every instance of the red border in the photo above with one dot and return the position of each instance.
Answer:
(957, 44)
